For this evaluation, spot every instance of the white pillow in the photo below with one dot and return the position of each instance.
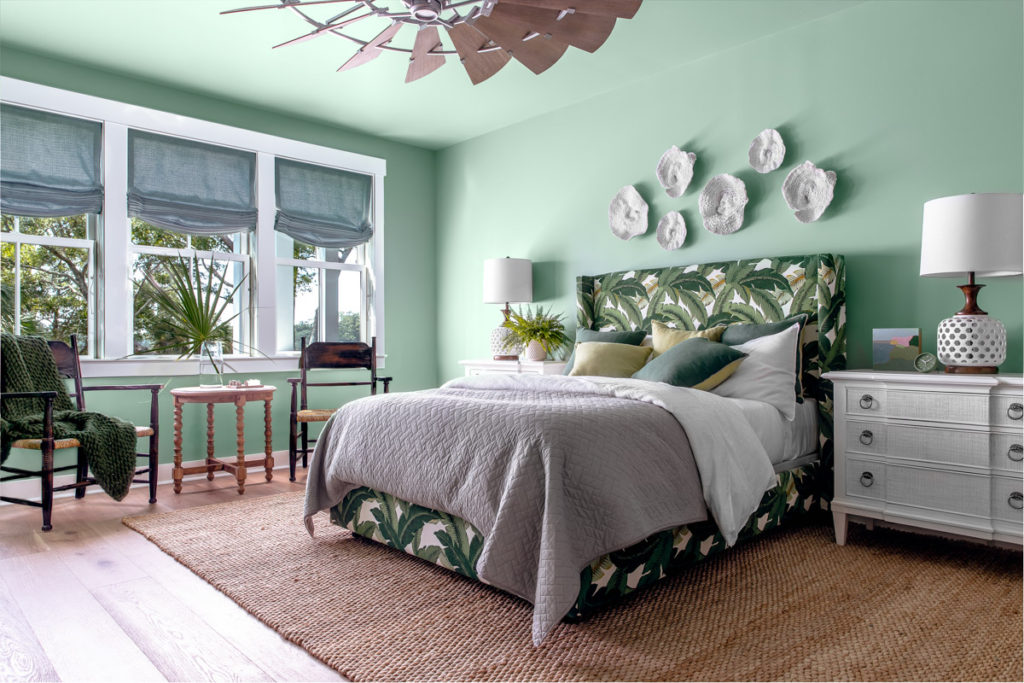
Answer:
(767, 373)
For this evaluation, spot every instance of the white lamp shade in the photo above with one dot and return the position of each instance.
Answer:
(979, 233)
(508, 280)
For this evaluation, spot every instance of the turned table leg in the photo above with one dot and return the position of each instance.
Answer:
(177, 473)
(268, 463)
(209, 440)
(240, 426)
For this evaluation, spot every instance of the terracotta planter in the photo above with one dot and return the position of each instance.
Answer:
(534, 351)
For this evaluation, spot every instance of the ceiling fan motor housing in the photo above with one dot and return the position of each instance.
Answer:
(425, 10)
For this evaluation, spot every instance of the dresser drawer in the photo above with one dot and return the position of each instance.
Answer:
(1007, 451)
(1007, 499)
(865, 479)
(1008, 410)
(935, 406)
(955, 492)
(865, 400)
(866, 437)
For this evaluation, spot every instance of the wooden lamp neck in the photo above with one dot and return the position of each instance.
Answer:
(970, 291)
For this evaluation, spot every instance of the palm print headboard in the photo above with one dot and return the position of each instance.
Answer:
(747, 291)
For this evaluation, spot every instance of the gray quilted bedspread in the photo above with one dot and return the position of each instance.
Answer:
(553, 479)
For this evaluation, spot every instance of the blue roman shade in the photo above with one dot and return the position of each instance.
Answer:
(49, 164)
(189, 186)
(324, 207)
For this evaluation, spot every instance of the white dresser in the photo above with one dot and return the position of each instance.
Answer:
(513, 367)
(934, 451)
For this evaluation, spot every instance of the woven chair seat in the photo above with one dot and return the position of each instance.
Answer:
(37, 444)
(313, 415)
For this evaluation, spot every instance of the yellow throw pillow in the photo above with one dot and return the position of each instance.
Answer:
(608, 359)
(666, 337)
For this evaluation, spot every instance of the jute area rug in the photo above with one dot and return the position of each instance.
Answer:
(789, 606)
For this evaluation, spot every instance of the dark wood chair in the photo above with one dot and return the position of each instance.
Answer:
(70, 367)
(317, 356)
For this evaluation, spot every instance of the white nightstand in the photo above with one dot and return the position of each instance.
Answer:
(935, 451)
(513, 367)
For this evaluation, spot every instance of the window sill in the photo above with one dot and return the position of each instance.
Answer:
(140, 366)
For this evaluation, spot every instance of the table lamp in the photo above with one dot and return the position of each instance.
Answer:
(506, 280)
(980, 235)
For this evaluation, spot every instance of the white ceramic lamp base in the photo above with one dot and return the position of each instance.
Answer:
(500, 348)
(971, 343)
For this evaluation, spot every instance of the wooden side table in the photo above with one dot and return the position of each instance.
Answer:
(211, 395)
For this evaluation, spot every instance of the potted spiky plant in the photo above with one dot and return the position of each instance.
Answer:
(539, 331)
(193, 314)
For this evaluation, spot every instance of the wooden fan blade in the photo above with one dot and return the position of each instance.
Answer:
(370, 51)
(624, 9)
(585, 31)
(479, 65)
(536, 54)
(323, 30)
(287, 5)
(422, 62)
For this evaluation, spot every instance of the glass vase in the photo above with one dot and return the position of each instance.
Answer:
(211, 364)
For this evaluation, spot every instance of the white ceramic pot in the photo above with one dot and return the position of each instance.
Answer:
(534, 351)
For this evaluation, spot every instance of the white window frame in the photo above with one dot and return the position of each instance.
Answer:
(113, 331)
(17, 238)
(322, 266)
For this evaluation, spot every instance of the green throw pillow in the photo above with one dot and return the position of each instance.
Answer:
(609, 359)
(698, 363)
(735, 335)
(634, 338)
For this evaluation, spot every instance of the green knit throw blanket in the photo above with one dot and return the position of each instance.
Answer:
(108, 444)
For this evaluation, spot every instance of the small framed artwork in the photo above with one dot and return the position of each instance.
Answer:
(895, 348)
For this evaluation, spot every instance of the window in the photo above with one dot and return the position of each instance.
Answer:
(50, 193)
(99, 196)
(46, 274)
(323, 293)
(323, 225)
(154, 250)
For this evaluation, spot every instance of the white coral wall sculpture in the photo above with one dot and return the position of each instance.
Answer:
(722, 203)
(766, 151)
(808, 191)
(627, 214)
(675, 170)
(671, 231)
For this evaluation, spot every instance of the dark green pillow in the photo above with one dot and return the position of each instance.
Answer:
(738, 334)
(635, 338)
(697, 363)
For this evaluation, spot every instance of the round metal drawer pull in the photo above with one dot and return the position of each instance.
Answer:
(1016, 500)
(867, 400)
(867, 479)
(866, 437)
(1015, 453)
(1014, 412)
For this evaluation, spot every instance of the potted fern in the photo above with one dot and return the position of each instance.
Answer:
(539, 331)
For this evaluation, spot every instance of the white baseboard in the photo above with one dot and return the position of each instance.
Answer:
(28, 488)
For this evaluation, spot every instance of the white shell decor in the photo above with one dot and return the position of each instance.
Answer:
(721, 204)
(627, 214)
(766, 151)
(671, 231)
(808, 191)
(675, 170)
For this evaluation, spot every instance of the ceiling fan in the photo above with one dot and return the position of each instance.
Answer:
(485, 34)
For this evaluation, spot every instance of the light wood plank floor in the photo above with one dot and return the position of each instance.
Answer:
(94, 600)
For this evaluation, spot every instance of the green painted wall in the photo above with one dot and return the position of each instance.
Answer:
(409, 241)
(906, 101)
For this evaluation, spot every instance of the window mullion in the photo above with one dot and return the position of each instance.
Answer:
(116, 318)
(263, 281)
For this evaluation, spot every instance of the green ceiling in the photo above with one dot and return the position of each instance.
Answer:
(187, 44)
